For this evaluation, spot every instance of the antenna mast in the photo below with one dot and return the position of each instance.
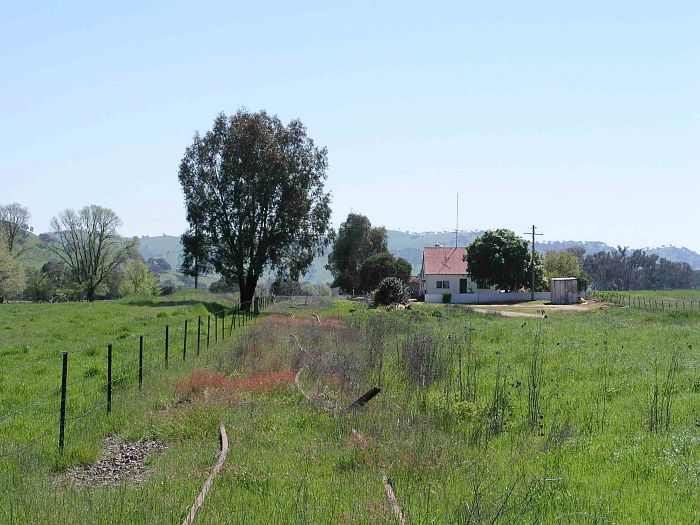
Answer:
(457, 227)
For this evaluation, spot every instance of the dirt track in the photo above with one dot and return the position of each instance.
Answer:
(536, 309)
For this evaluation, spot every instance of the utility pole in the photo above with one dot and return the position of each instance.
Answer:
(532, 261)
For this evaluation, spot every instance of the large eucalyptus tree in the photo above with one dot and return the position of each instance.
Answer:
(254, 190)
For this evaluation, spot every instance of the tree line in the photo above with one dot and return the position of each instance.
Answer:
(89, 259)
(255, 200)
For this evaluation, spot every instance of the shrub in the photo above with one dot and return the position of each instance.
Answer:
(446, 297)
(391, 291)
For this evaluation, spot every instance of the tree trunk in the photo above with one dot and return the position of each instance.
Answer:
(196, 278)
(247, 294)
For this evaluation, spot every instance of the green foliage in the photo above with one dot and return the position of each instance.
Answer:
(39, 286)
(391, 291)
(565, 263)
(501, 258)
(638, 270)
(451, 412)
(262, 204)
(137, 279)
(560, 264)
(356, 241)
(14, 225)
(196, 255)
(12, 276)
(377, 267)
(88, 243)
(223, 286)
(446, 297)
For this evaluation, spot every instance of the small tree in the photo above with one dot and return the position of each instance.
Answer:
(39, 287)
(377, 267)
(12, 276)
(14, 224)
(195, 256)
(137, 279)
(560, 264)
(391, 291)
(356, 241)
(88, 243)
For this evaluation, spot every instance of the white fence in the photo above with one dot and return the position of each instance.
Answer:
(488, 297)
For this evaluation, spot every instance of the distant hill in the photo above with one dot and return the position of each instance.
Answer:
(402, 244)
(410, 246)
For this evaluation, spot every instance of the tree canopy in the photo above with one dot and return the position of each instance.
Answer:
(11, 273)
(195, 255)
(254, 191)
(376, 267)
(14, 224)
(356, 241)
(638, 270)
(501, 258)
(88, 243)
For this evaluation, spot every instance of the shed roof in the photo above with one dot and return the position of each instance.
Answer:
(438, 260)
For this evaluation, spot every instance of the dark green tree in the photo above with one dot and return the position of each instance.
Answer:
(501, 258)
(377, 267)
(391, 291)
(254, 189)
(356, 241)
(195, 255)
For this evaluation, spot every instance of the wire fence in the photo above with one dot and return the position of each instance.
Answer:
(86, 389)
(644, 303)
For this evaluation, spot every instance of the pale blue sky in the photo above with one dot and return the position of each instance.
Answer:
(579, 117)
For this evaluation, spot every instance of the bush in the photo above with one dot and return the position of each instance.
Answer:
(446, 297)
(391, 291)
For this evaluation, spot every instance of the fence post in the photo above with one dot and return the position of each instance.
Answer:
(199, 331)
(167, 344)
(109, 377)
(184, 343)
(62, 420)
(223, 325)
(230, 326)
(140, 361)
(216, 327)
(208, 326)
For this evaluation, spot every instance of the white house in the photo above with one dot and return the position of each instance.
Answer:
(445, 270)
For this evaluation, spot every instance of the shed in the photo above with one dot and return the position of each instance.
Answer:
(564, 290)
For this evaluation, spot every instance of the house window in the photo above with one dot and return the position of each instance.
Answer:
(443, 284)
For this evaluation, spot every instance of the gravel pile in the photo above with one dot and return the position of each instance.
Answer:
(121, 461)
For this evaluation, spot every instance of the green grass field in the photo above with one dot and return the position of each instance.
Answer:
(574, 418)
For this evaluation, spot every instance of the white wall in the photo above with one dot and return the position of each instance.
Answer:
(487, 297)
(430, 285)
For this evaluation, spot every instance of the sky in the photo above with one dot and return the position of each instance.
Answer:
(581, 118)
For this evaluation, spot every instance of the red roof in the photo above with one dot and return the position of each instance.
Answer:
(444, 261)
